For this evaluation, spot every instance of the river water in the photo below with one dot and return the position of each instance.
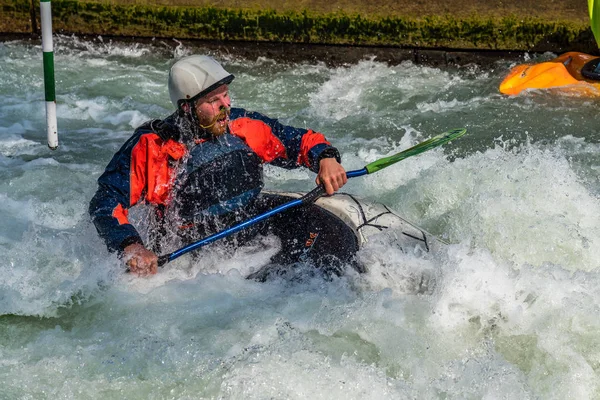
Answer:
(513, 312)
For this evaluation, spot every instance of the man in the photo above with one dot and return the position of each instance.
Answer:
(203, 160)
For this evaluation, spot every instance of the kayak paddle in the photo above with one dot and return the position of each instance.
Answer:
(317, 192)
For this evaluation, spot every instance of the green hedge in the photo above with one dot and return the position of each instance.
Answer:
(508, 33)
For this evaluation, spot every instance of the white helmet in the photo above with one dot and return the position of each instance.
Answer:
(195, 76)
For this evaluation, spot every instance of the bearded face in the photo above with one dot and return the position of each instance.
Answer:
(213, 111)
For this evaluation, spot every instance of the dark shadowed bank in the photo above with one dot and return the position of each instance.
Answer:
(455, 32)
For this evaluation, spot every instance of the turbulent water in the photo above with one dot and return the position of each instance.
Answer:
(514, 310)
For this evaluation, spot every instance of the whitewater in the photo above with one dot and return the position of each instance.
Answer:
(513, 311)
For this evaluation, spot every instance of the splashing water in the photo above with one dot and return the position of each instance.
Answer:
(511, 305)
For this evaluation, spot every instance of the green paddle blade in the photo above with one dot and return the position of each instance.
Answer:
(420, 148)
(594, 7)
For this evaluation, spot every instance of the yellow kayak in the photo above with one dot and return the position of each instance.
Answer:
(572, 73)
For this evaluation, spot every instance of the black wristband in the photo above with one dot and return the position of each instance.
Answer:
(330, 152)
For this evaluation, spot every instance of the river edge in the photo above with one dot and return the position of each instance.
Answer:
(330, 55)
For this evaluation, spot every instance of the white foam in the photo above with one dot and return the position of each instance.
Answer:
(512, 307)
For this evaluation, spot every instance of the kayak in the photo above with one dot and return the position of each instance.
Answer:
(330, 231)
(572, 73)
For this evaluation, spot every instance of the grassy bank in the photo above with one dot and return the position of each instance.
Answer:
(307, 22)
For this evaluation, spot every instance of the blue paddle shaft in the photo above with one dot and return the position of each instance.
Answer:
(233, 229)
(355, 173)
(308, 198)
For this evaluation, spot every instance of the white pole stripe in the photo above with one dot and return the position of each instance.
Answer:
(46, 19)
(51, 127)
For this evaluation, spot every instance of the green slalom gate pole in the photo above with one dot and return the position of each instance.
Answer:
(48, 53)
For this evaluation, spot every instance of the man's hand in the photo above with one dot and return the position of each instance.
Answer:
(140, 260)
(331, 175)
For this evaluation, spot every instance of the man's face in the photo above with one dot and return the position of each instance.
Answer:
(213, 110)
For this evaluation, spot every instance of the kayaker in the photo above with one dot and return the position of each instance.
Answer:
(205, 159)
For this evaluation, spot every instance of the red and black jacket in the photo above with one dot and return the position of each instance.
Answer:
(145, 168)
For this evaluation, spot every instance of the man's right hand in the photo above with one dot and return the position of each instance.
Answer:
(140, 260)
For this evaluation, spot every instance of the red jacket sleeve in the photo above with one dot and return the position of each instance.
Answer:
(139, 171)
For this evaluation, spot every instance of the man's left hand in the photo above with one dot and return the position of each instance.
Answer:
(331, 175)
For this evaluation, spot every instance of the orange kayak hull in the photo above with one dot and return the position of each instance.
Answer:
(563, 73)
